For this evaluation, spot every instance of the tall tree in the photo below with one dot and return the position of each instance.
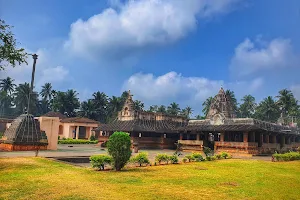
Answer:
(173, 109)
(46, 91)
(162, 109)
(153, 108)
(206, 105)
(231, 95)
(187, 111)
(247, 108)
(21, 99)
(6, 103)
(199, 117)
(285, 101)
(267, 110)
(9, 53)
(138, 105)
(87, 109)
(66, 102)
(100, 102)
(7, 85)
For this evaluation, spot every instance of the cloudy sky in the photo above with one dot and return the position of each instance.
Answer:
(162, 50)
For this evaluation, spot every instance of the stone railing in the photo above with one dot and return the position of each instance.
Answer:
(191, 142)
(237, 147)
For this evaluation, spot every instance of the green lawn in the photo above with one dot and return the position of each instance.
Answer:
(39, 178)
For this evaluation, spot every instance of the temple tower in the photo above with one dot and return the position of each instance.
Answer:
(222, 105)
(127, 112)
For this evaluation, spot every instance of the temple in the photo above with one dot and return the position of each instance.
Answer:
(221, 130)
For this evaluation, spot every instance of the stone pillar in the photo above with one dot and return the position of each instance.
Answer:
(273, 138)
(222, 137)
(253, 137)
(288, 140)
(198, 136)
(180, 136)
(245, 138)
(162, 140)
(282, 141)
(77, 132)
(261, 140)
(267, 138)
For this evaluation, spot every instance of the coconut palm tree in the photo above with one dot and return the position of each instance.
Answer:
(46, 91)
(230, 94)
(285, 101)
(88, 109)
(21, 99)
(162, 109)
(153, 108)
(187, 111)
(7, 85)
(173, 109)
(206, 105)
(267, 110)
(6, 102)
(66, 102)
(138, 105)
(248, 106)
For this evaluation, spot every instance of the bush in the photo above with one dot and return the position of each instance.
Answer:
(218, 156)
(287, 156)
(162, 158)
(99, 161)
(211, 158)
(92, 138)
(184, 160)
(197, 157)
(190, 158)
(118, 145)
(173, 159)
(207, 151)
(73, 141)
(141, 158)
(58, 138)
(225, 155)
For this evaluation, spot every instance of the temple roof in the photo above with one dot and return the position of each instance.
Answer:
(79, 120)
(238, 124)
(138, 125)
(25, 130)
(54, 114)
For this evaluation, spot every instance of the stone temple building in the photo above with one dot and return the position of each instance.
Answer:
(221, 130)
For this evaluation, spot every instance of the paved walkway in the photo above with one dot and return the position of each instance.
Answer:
(80, 150)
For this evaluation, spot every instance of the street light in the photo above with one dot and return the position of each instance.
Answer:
(35, 57)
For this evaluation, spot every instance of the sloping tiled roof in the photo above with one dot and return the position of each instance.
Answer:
(79, 120)
(4, 120)
(54, 114)
(162, 126)
(25, 130)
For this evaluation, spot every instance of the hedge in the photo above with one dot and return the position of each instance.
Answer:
(287, 156)
(79, 141)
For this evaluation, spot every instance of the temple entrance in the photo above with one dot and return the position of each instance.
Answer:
(82, 132)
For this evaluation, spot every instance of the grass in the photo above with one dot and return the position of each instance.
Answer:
(39, 178)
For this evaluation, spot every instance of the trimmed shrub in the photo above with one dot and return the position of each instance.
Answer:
(190, 158)
(211, 158)
(218, 156)
(74, 141)
(173, 159)
(99, 161)
(118, 145)
(92, 138)
(162, 158)
(287, 156)
(197, 157)
(225, 155)
(141, 158)
(184, 160)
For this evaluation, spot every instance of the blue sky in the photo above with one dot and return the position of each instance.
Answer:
(163, 50)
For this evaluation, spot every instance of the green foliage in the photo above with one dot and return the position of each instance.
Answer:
(190, 158)
(162, 158)
(74, 141)
(225, 155)
(118, 146)
(207, 151)
(8, 47)
(197, 157)
(206, 105)
(1, 135)
(99, 161)
(173, 159)
(92, 138)
(267, 110)
(184, 160)
(290, 156)
(211, 158)
(58, 137)
(141, 158)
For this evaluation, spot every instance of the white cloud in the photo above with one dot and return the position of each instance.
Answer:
(185, 90)
(296, 91)
(251, 57)
(46, 71)
(138, 24)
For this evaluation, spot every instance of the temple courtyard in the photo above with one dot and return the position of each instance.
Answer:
(41, 178)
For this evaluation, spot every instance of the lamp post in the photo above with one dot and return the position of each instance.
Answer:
(35, 57)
